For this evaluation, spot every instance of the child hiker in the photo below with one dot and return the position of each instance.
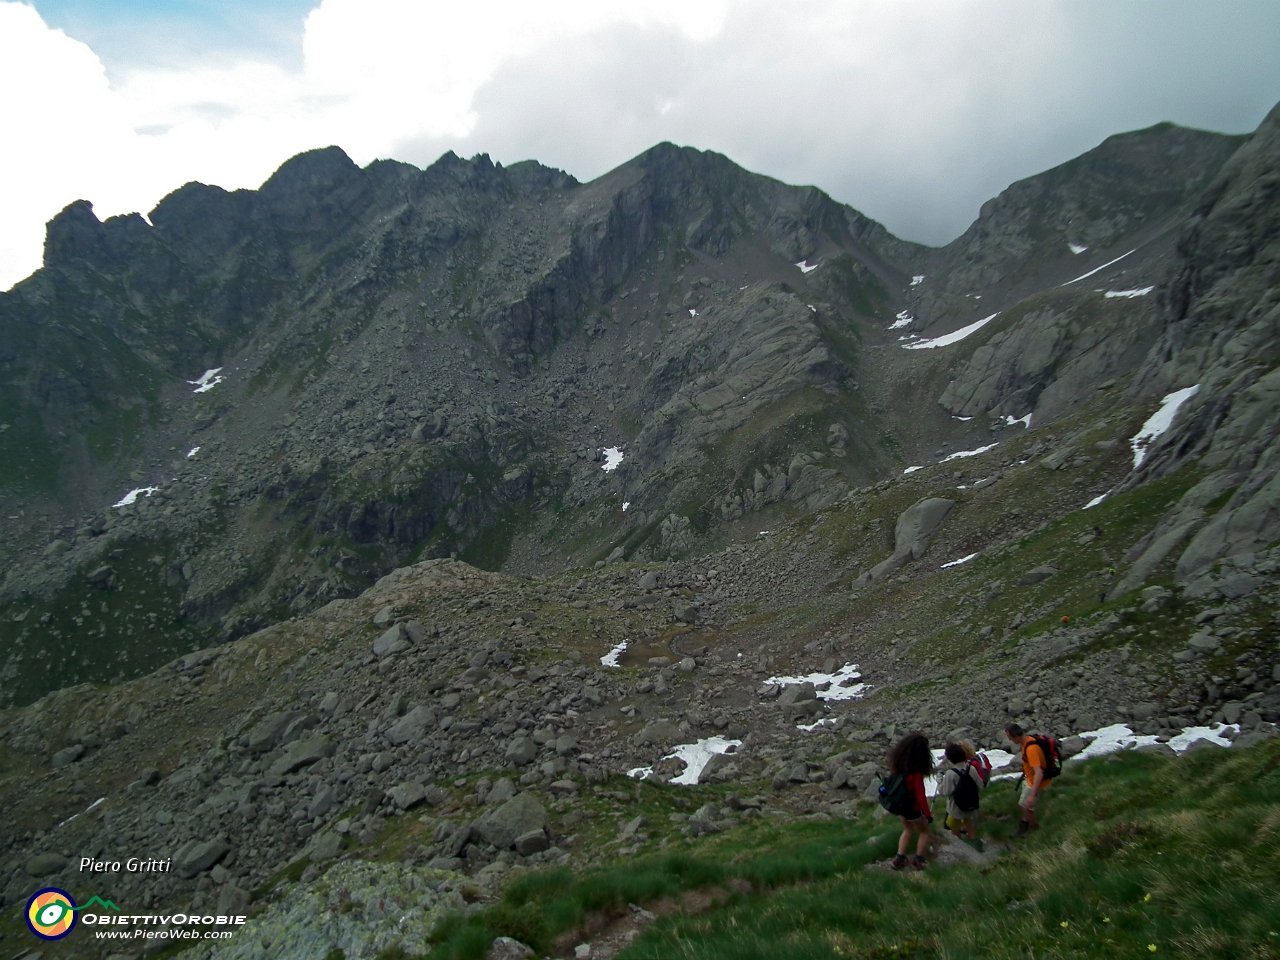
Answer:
(903, 794)
(961, 785)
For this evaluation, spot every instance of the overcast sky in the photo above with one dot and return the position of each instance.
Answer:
(913, 112)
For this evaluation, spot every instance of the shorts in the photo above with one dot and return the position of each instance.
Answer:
(959, 826)
(1026, 793)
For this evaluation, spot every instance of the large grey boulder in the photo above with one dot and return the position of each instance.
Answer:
(67, 756)
(395, 640)
(501, 825)
(302, 753)
(916, 526)
(267, 732)
(1036, 575)
(196, 856)
(411, 726)
(521, 751)
(796, 692)
(659, 732)
(45, 864)
(406, 795)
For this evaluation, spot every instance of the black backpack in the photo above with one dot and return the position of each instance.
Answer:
(965, 795)
(895, 797)
(1052, 758)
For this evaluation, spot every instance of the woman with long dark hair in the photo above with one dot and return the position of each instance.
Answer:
(911, 759)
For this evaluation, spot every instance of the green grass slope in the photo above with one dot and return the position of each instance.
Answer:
(1139, 855)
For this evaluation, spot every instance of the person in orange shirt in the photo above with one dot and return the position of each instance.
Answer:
(1034, 765)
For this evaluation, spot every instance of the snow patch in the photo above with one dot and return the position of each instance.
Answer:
(816, 724)
(804, 266)
(132, 495)
(1096, 500)
(956, 563)
(1103, 267)
(969, 453)
(905, 319)
(696, 756)
(1010, 420)
(918, 279)
(1159, 422)
(947, 339)
(692, 312)
(625, 504)
(911, 470)
(612, 457)
(1128, 294)
(1077, 248)
(192, 452)
(812, 307)
(208, 380)
(610, 659)
(837, 690)
(962, 419)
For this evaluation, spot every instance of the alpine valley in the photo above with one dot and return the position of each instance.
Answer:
(364, 532)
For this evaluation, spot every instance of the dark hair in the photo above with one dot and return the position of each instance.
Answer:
(1014, 730)
(911, 755)
(956, 753)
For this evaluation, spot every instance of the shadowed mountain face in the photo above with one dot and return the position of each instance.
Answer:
(353, 369)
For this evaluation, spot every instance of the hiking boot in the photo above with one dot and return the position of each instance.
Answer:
(918, 863)
(1021, 830)
(899, 862)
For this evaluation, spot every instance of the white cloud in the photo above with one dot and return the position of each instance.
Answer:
(914, 112)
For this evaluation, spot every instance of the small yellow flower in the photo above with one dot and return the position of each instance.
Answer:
(1106, 919)
(1064, 924)
(1152, 948)
(1146, 898)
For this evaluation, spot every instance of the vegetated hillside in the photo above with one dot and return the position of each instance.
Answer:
(801, 491)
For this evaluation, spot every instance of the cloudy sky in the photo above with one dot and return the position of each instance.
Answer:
(914, 112)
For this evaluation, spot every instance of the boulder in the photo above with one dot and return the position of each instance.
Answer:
(1069, 746)
(796, 692)
(196, 856)
(325, 846)
(659, 733)
(521, 751)
(302, 753)
(685, 611)
(1144, 711)
(1263, 731)
(45, 864)
(1037, 574)
(324, 800)
(535, 841)
(406, 795)
(501, 825)
(411, 726)
(565, 745)
(393, 641)
(267, 732)
(500, 792)
(649, 581)
(504, 948)
(915, 528)
(67, 756)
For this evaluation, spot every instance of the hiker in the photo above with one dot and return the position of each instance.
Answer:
(961, 785)
(1039, 765)
(903, 794)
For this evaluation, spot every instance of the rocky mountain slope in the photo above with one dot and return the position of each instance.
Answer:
(396, 574)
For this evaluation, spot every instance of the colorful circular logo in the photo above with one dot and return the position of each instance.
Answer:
(51, 913)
